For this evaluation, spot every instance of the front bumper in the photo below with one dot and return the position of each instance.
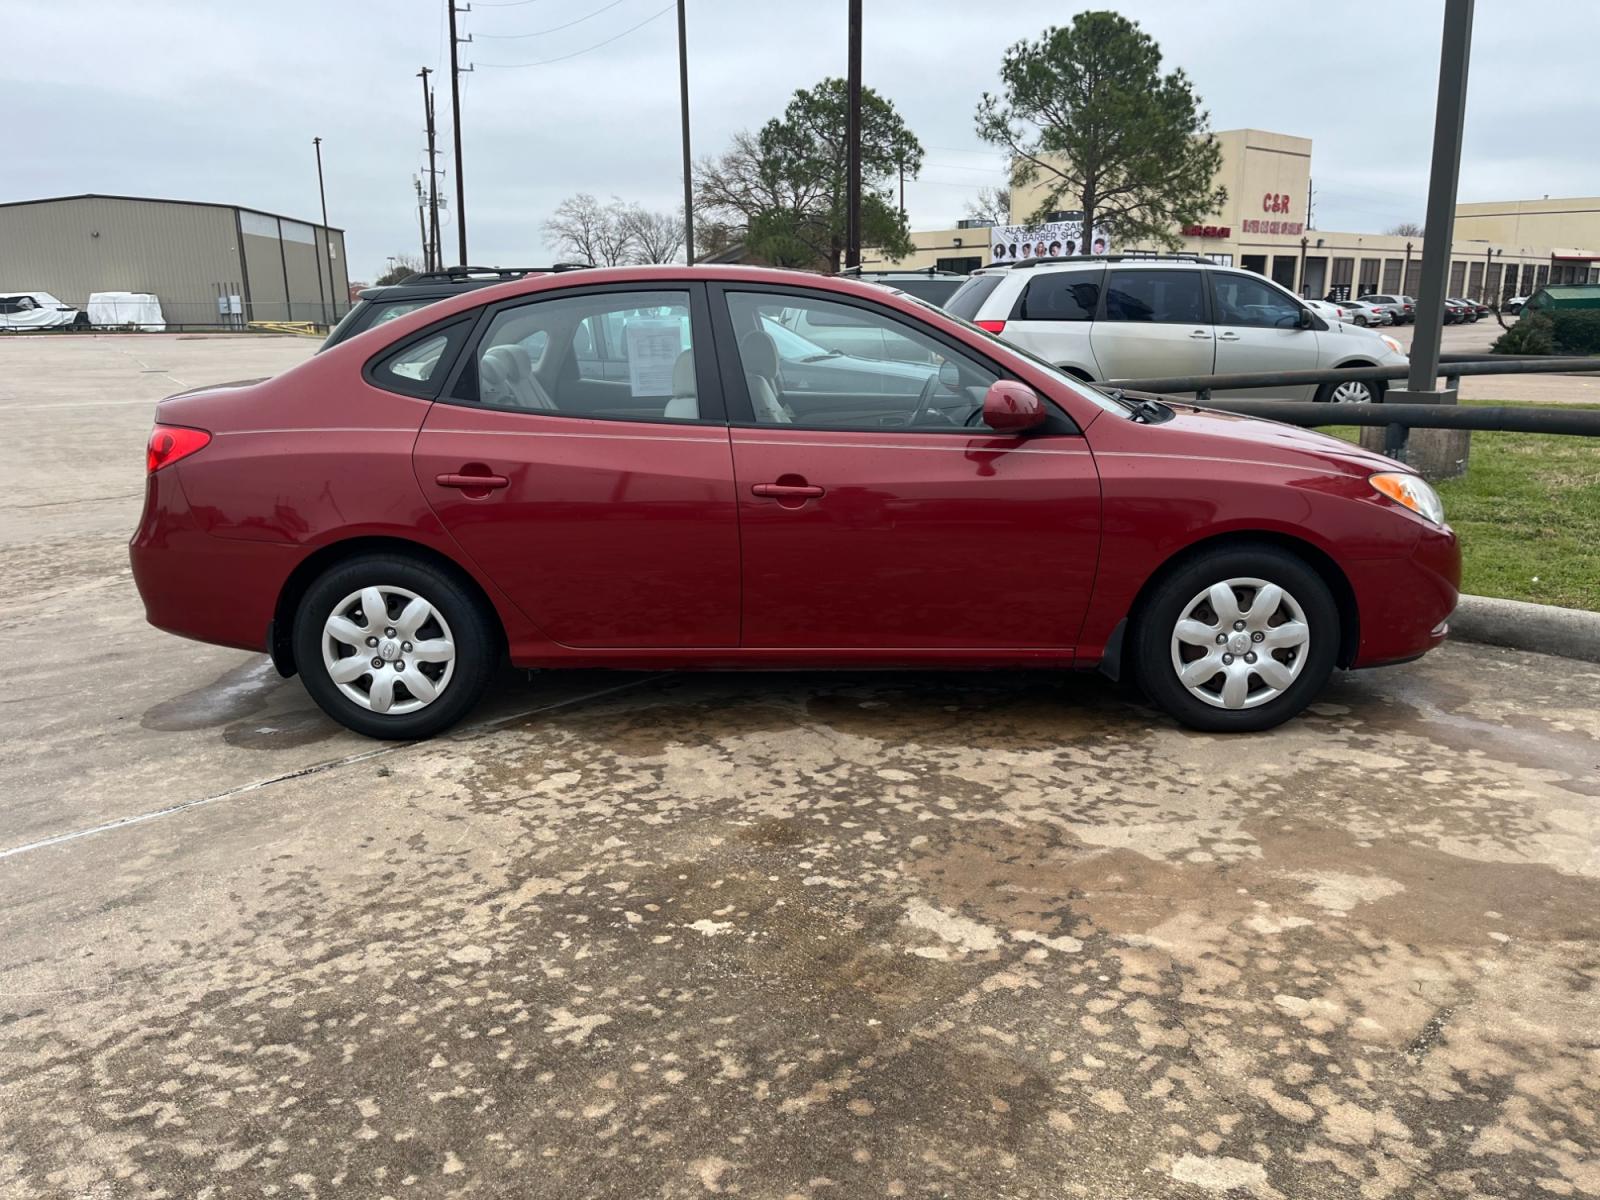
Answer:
(1405, 603)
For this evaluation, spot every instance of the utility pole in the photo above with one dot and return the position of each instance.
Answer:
(852, 237)
(327, 238)
(1449, 119)
(683, 100)
(1310, 192)
(455, 110)
(902, 187)
(433, 261)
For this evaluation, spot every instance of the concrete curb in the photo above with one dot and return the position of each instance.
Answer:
(1569, 632)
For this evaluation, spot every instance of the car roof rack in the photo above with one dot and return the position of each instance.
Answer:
(1138, 256)
(932, 272)
(451, 274)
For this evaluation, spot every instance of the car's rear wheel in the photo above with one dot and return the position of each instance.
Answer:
(393, 647)
(1237, 640)
(1361, 320)
(1350, 391)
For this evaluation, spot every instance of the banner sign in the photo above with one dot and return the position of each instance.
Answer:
(1051, 239)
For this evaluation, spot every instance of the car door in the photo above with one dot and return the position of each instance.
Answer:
(1260, 327)
(900, 523)
(603, 507)
(1153, 324)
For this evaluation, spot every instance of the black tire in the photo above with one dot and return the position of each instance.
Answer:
(1374, 389)
(1361, 320)
(473, 631)
(1156, 621)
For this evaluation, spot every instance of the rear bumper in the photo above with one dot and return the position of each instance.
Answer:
(211, 589)
(1405, 603)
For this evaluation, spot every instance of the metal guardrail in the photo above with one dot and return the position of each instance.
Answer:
(1399, 419)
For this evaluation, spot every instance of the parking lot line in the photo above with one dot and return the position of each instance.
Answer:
(318, 769)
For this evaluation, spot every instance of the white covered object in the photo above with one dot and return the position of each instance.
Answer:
(34, 310)
(121, 309)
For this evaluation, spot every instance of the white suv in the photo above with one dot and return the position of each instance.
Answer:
(1147, 318)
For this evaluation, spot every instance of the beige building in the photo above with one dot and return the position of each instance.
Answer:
(1500, 249)
(195, 258)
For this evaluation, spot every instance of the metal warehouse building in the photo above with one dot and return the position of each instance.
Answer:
(208, 264)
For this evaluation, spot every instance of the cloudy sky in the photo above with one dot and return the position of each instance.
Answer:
(213, 101)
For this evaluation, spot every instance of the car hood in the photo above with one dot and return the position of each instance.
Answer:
(1205, 431)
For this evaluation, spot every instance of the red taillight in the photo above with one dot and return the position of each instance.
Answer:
(169, 443)
(991, 326)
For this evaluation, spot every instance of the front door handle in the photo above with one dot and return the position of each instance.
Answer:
(473, 483)
(787, 491)
(1201, 333)
(1227, 337)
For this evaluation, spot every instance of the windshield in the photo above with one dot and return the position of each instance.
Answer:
(1106, 400)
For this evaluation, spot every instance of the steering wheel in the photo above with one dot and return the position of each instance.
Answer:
(924, 400)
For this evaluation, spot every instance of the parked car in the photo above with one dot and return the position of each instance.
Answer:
(396, 516)
(1513, 304)
(1329, 310)
(1402, 310)
(929, 283)
(378, 305)
(1466, 311)
(38, 310)
(1365, 313)
(1144, 318)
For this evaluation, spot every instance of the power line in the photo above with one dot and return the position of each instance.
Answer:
(505, 3)
(509, 37)
(544, 62)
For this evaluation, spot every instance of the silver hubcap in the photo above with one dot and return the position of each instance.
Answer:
(1352, 393)
(388, 649)
(1240, 643)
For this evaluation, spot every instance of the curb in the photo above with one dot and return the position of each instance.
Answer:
(1543, 628)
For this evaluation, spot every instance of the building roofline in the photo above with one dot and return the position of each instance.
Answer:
(168, 200)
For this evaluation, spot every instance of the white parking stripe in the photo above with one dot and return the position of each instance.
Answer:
(313, 769)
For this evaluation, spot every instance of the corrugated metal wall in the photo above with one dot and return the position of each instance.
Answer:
(183, 253)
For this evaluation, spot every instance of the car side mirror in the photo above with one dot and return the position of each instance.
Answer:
(1012, 407)
(949, 375)
(1307, 320)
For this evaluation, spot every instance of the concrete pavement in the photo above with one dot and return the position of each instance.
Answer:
(807, 935)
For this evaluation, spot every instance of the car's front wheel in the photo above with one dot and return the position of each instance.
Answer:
(1237, 640)
(393, 647)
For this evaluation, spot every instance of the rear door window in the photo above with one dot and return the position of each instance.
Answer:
(1061, 296)
(1157, 297)
(969, 297)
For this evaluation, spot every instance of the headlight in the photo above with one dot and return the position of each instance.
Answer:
(1413, 492)
(1392, 343)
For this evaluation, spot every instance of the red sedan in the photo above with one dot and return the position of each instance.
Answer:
(733, 467)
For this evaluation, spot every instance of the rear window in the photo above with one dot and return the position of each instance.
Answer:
(934, 291)
(969, 297)
(1060, 296)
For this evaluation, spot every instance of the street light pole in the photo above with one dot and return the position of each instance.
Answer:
(852, 237)
(327, 238)
(683, 100)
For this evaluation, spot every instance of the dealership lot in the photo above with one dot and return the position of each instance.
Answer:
(770, 935)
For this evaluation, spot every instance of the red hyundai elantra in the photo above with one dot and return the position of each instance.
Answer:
(731, 467)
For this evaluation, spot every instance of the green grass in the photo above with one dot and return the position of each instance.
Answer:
(1528, 515)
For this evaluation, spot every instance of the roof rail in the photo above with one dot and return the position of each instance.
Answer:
(929, 271)
(448, 274)
(1136, 256)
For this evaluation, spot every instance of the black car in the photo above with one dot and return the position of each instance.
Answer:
(377, 305)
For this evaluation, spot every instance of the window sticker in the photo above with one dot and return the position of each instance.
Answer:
(653, 349)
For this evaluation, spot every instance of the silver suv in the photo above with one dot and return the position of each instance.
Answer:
(1143, 318)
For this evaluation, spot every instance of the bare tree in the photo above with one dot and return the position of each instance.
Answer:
(584, 229)
(400, 266)
(1405, 229)
(992, 206)
(657, 236)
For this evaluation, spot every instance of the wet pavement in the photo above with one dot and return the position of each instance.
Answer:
(772, 935)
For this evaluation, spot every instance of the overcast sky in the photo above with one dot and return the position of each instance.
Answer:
(214, 101)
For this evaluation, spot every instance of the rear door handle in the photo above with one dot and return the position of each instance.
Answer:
(1201, 333)
(786, 491)
(472, 482)
(1227, 337)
